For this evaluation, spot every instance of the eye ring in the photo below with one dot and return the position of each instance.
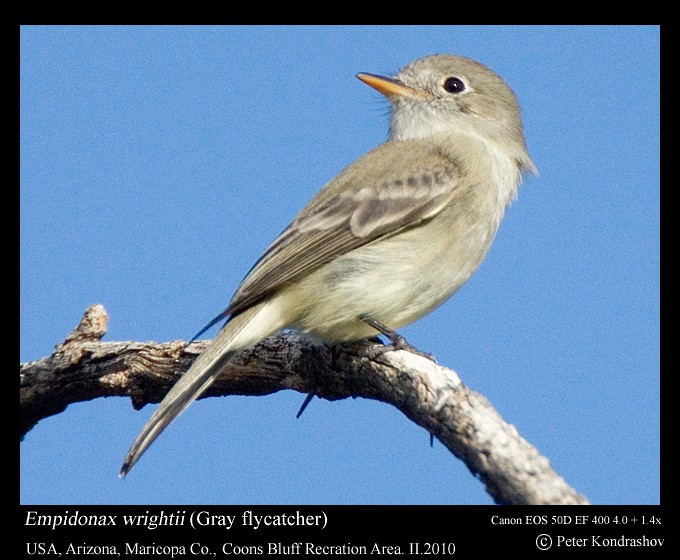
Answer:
(454, 85)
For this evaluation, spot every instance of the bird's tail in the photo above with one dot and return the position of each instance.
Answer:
(241, 331)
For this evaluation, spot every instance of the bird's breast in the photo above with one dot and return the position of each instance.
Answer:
(396, 279)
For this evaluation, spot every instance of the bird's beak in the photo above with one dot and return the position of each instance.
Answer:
(388, 86)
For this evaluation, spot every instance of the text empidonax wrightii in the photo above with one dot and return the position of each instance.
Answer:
(394, 235)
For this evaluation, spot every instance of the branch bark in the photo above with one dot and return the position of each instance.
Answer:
(83, 368)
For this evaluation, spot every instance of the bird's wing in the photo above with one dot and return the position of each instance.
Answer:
(355, 209)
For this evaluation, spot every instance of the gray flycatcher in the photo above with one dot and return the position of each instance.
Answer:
(394, 235)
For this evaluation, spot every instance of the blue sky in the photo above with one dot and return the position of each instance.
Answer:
(157, 163)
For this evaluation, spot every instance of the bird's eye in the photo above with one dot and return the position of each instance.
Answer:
(454, 85)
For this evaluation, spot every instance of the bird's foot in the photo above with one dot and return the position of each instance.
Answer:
(397, 342)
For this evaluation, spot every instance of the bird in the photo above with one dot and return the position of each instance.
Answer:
(392, 236)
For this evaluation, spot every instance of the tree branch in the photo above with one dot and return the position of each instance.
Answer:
(83, 368)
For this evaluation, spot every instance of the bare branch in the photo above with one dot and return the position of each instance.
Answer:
(83, 368)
